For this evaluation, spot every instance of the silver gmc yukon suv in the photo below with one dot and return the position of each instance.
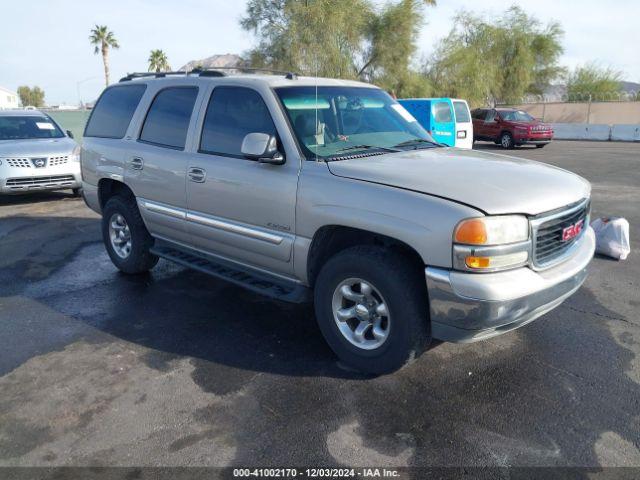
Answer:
(35, 154)
(328, 190)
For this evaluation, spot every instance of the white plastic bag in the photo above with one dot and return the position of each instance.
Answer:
(612, 237)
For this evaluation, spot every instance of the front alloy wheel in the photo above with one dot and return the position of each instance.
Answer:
(361, 313)
(371, 306)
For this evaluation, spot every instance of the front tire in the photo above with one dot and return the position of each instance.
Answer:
(506, 140)
(371, 306)
(125, 236)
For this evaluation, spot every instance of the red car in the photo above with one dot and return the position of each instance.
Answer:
(509, 127)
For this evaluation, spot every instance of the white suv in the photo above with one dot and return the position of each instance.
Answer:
(35, 154)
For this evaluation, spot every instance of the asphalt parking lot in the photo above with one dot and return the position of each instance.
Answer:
(176, 368)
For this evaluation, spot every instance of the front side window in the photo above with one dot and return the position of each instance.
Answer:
(442, 112)
(462, 112)
(232, 113)
(112, 114)
(334, 122)
(28, 127)
(168, 118)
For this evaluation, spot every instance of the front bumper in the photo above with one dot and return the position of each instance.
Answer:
(533, 139)
(466, 307)
(23, 180)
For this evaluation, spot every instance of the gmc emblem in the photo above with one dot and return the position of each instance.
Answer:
(572, 231)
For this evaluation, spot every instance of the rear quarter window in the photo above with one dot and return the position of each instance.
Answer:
(112, 113)
(168, 118)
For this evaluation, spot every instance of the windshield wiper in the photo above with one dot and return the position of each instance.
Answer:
(366, 147)
(416, 142)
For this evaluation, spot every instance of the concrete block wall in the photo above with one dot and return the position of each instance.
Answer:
(601, 132)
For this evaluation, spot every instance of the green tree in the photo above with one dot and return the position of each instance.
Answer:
(351, 39)
(158, 61)
(33, 97)
(492, 61)
(592, 81)
(103, 39)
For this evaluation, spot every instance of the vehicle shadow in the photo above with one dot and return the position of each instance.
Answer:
(174, 312)
(492, 146)
(35, 197)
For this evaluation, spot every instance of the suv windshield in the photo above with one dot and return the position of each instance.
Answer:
(333, 122)
(516, 116)
(26, 127)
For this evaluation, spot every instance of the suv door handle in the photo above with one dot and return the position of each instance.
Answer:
(136, 163)
(197, 174)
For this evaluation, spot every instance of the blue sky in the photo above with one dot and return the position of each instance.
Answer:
(46, 44)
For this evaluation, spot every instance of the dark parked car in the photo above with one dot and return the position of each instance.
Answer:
(509, 127)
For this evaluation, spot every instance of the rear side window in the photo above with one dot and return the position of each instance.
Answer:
(112, 114)
(479, 113)
(462, 112)
(491, 116)
(232, 113)
(167, 121)
(442, 112)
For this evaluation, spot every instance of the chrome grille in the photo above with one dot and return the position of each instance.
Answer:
(39, 182)
(549, 248)
(53, 161)
(18, 162)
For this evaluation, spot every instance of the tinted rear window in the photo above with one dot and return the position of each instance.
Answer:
(113, 112)
(462, 112)
(167, 121)
(442, 112)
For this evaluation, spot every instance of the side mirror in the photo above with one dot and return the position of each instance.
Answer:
(262, 147)
(69, 134)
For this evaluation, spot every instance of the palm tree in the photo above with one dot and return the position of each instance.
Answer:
(103, 39)
(158, 61)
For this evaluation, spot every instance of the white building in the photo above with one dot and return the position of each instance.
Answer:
(8, 99)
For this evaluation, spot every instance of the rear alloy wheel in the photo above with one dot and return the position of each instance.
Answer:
(371, 306)
(125, 236)
(506, 140)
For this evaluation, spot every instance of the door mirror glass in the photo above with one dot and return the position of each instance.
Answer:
(262, 147)
(69, 134)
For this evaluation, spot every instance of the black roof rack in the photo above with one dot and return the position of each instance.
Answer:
(210, 72)
(131, 76)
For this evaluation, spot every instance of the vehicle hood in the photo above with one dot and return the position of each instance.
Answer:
(39, 147)
(492, 183)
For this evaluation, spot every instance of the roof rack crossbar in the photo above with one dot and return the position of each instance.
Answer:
(220, 71)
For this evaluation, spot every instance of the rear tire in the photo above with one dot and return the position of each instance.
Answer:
(393, 305)
(506, 140)
(539, 146)
(125, 236)
(77, 192)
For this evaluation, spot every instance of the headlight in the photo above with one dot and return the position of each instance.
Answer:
(75, 155)
(488, 244)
